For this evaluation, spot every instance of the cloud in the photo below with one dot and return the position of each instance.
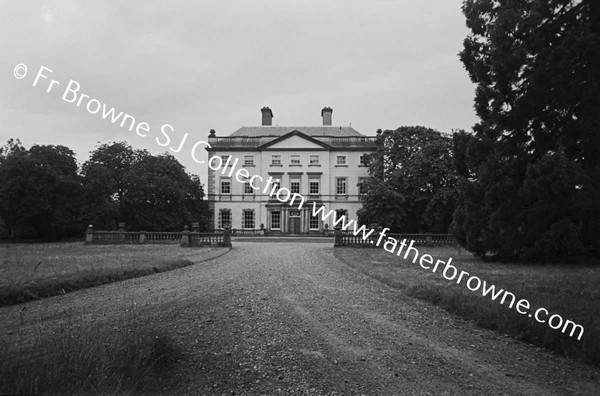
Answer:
(47, 15)
(206, 64)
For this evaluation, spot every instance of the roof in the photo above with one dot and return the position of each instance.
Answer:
(276, 131)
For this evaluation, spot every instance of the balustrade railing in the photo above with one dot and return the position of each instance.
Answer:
(347, 238)
(185, 238)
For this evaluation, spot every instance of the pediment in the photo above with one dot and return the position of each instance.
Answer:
(295, 140)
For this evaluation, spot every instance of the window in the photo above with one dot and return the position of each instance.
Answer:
(295, 186)
(364, 160)
(362, 188)
(314, 160)
(225, 186)
(276, 183)
(224, 218)
(313, 222)
(225, 158)
(248, 187)
(341, 212)
(313, 187)
(340, 160)
(248, 160)
(248, 218)
(340, 186)
(294, 213)
(295, 159)
(276, 220)
(276, 159)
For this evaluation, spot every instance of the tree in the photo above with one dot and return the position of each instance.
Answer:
(11, 147)
(144, 191)
(412, 183)
(529, 174)
(40, 194)
(164, 196)
(107, 177)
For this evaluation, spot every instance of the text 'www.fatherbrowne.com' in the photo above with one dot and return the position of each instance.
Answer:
(451, 273)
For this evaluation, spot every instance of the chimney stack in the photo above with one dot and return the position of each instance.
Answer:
(267, 116)
(326, 114)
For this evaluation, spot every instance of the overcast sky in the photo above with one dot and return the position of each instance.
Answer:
(214, 64)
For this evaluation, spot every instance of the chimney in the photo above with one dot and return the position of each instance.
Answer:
(326, 114)
(267, 116)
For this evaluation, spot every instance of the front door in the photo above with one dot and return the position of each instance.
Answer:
(294, 224)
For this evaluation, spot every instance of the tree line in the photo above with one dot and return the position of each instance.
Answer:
(45, 195)
(525, 183)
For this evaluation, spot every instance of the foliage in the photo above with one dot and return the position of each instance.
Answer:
(11, 147)
(144, 191)
(412, 183)
(39, 192)
(529, 185)
(43, 195)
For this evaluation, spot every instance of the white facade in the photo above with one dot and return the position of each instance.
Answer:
(323, 164)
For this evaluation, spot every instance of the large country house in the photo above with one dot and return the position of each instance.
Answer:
(325, 164)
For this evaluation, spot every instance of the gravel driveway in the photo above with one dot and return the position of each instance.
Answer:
(290, 319)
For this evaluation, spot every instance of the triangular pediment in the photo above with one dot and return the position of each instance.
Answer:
(295, 140)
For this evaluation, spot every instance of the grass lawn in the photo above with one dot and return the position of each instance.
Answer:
(71, 355)
(32, 271)
(568, 290)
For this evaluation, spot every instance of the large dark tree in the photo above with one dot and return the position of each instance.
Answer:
(164, 196)
(529, 175)
(40, 192)
(107, 177)
(412, 183)
(144, 191)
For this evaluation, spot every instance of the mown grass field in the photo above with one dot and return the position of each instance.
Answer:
(73, 354)
(70, 355)
(32, 271)
(568, 290)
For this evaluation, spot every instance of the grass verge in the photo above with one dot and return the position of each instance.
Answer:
(31, 272)
(20, 293)
(568, 290)
(86, 357)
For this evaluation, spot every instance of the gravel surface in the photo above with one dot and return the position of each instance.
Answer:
(291, 319)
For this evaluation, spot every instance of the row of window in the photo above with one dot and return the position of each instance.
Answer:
(314, 186)
(295, 159)
(248, 219)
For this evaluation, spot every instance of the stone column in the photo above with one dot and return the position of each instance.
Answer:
(89, 234)
(185, 237)
(121, 230)
(227, 237)
(338, 236)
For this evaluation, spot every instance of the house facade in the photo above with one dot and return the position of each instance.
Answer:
(325, 164)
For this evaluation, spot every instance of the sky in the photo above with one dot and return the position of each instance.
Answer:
(205, 65)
